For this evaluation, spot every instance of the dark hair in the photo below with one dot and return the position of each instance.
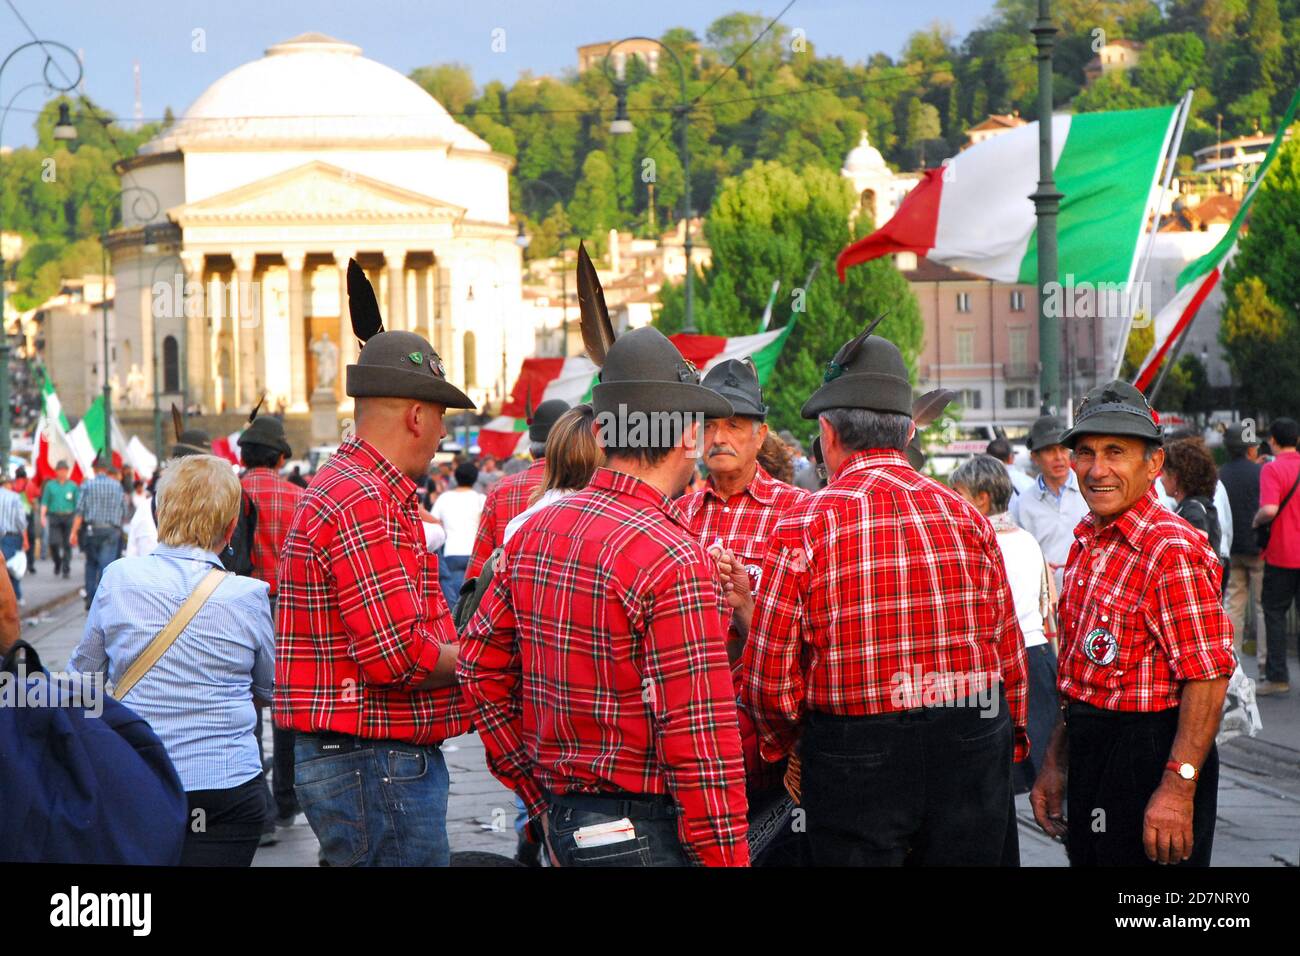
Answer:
(647, 457)
(466, 474)
(999, 448)
(776, 459)
(258, 456)
(1285, 431)
(1192, 464)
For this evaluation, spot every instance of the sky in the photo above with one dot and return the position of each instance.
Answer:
(540, 36)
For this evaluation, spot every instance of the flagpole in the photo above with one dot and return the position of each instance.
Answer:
(1177, 124)
(1047, 205)
(1170, 361)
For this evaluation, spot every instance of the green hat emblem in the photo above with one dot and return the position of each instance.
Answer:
(416, 357)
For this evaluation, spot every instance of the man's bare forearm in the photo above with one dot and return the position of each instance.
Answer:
(1199, 714)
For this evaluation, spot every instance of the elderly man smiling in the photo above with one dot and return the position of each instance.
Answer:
(1146, 652)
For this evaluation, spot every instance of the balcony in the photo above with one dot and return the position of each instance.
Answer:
(1021, 371)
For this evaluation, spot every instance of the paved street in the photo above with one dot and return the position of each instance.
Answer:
(1259, 791)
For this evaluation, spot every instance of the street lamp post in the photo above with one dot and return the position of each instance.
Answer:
(63, 130)
(1047, 204)
(622, 125)
(523, 240)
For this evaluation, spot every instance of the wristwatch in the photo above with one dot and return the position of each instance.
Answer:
(1184, 770)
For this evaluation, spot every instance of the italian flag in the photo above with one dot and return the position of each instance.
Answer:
(52, 439)
(1199, 278)
(974, 213)
(571, 379)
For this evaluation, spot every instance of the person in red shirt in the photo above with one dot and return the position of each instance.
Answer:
(597, 665)
(365, 662)
(737, 510)
(508, 498)
(1146, 653)
(1279, 509)
(886, 642)
(263, 449)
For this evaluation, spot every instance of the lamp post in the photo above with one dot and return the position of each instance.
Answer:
(63, 131)
(144, 207)
(524, 239)
(157, 386)
(622, 125)
(1047, 204)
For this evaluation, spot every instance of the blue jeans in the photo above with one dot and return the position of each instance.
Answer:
(655, 821)
(11, 544)
(451, 575)
(373, 802)
(102, 547)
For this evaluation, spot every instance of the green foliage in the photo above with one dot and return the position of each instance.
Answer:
(772, 222)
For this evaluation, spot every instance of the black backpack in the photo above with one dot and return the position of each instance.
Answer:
(1200, 513)
(238, 556)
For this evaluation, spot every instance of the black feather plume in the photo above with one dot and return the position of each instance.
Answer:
(178, 421)
(253, 414)
(930, 406)
(362, 304)
(844, 357)
(597, 330)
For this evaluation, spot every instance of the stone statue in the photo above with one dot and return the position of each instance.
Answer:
(135, 397)
(327, 361)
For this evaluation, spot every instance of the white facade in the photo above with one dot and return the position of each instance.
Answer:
(277, 175)
(880, 190)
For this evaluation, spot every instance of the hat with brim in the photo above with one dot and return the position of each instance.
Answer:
(737, 382)
(401, 364)
(1046, 431)
(192, 441)
(544, 419)
(1116, 408)
(1232, 437)
(268, 432)
(644, 373)
(867, 373)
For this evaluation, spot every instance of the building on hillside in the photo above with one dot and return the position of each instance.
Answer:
(1118, 54)
(880, 190)
(69, 329)
(278, 174)
(590, 55)
(994, 125)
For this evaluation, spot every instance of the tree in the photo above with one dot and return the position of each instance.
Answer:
(594, 209)
(451, 84)
(773, 222)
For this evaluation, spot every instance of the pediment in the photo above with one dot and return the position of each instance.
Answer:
(317, 191)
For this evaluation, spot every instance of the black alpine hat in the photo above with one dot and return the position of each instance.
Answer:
(1046, 431)
(267, 431)
(1233, 438)
(736, 380)
(393, 364)
(192, 441)
(867, 372)
(1116, 408)
(644, 372)
(544, 418)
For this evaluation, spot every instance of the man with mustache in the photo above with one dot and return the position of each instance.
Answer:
(1146, 653)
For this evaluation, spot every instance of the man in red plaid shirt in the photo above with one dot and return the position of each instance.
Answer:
(886, 641)
(1146, 653)
(512, 494)
(597, 663)
(263, 449)
(365, 663)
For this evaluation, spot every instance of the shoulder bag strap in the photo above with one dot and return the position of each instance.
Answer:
(167, 636)
(1294, 485)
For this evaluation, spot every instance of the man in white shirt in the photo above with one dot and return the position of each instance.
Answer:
(1000, 449)
(458, 512)
(1053, 506)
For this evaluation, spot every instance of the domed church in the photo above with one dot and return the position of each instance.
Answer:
(281, 171)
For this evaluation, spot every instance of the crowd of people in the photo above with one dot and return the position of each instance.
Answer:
(700, 648)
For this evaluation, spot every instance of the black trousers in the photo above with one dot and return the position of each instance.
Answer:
(284, 801)
(224, 825)
(1116, 761)
(1281, 588)
(926, 787)
(60, 548)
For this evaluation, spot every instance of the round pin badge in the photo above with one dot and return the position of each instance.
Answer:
(1100, 646)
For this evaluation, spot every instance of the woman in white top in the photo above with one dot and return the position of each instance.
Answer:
(983, 481)
(458, 512)
(572, 457)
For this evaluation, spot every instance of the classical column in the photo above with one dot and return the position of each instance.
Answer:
(194, 343)
(423, 314)
(247, 325)
(394, 260)
(297, 331)
(347, 342)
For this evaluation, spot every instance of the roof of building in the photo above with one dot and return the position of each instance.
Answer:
(998, 121)
(317, 89)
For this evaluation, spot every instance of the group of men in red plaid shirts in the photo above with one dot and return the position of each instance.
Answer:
(634, 647)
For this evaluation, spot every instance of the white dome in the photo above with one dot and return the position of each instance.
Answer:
(313, 89)
(863, 159)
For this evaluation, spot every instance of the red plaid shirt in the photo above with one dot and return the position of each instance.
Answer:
(507, 499)
(878, 589)
(597, 662)
(275, 499)
(360, 616)
(1140, 611)
(745, 521)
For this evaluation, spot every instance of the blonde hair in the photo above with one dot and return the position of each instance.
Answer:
(197, 497)
(572, 453)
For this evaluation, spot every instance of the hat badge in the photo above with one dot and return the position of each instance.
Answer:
(416, 357)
